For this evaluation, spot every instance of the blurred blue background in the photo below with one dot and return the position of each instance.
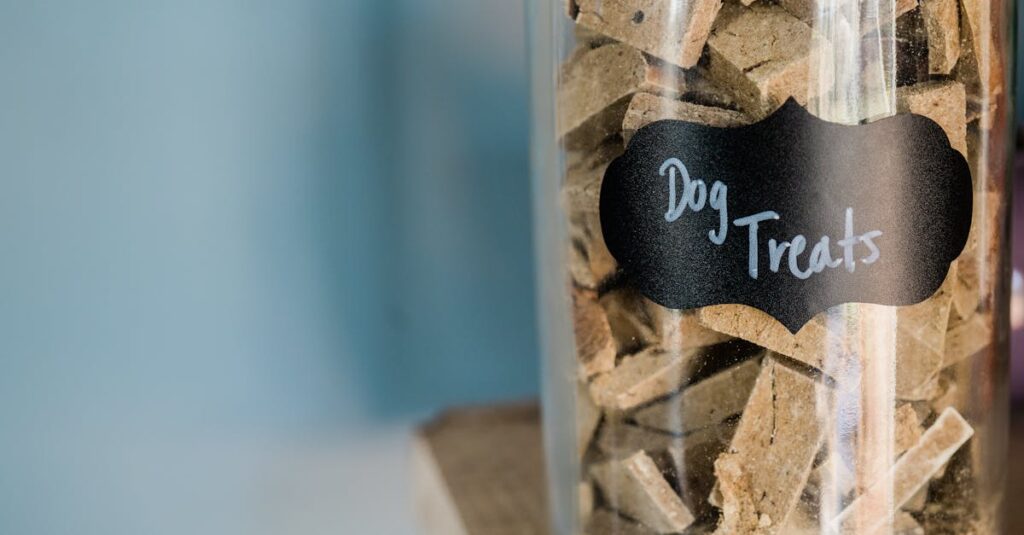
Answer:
(245, 246)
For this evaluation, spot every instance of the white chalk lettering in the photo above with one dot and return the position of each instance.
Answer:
(685, 192)
(752, 221)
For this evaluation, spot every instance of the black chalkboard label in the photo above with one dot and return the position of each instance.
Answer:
(791, 215)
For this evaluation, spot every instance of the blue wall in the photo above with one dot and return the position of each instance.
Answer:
(225, 225)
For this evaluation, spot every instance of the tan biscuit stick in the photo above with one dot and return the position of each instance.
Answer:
(835, 477)
(590, 262)
(942, 23)
(983, 245)
(911, 472)
(739, 512)
(588, 257)
(673, 31)
(633, 323)
(588, 416)
(919, 357)
(967, 339)
(944, 102)
(981, 67)
(646, 108)
(637, 322)
(642, 377)
(595, 88)
(636, 487)
(693, 462)
(618, 439)
(758, 327)
(904, 524)
(908, 429)
(920, 340)
(585, 492)
(703, 404)
(806, 10)
(771, 455)
(906, 432)
(595, 349)
(916, 504)
(762, 54)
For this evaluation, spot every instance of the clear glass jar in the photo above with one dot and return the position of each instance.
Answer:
(672, 408)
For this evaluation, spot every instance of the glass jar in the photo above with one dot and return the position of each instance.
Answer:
(772, 257)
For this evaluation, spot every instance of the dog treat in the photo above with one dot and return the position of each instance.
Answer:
(942, 22)
(761, 53)
(585, 493)
(595, 348)
(920, 338)
(807, 345)
(908, 429)
(831, 476)
(590, 262)
(596, 88)
(692, 464)
(917, 502)
(941, 101)
(642, 377)
(636, 487)
(709, 404)
(968, 338)
(637, 322)
(905, 524)
(705, 403)
(981, 66)
(661, 29)
(617, 439)
(588, 416)
(912, 471)
(806, 10)
(774, 446)
(646, 108)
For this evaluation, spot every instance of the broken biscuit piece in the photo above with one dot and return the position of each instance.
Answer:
(942, 23)
(590, 262)
(594, 92)
(595, 88)
(944, 102)
(704, 404)
(981, 67)
(753, 325)
(769, 460)
(918, 356)
(967, 339)
(588, 416)
(585, 493)
(693, 464)
(642, 377)
(645, 108)
(617, 439)
(636, 487)
(639, 322)
(910, 473)
(762, 54)
(595, 348)
(673, 32)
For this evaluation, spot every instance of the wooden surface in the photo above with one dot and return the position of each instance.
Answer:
(480, 472)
